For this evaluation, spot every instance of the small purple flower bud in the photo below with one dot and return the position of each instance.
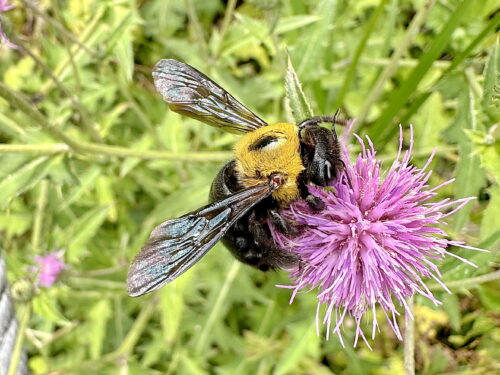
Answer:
(49, 267)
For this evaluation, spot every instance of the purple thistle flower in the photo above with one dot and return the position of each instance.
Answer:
(4, 7)
(49, 267)
(374, 241)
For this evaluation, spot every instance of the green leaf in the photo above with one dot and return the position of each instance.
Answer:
(304, 340)
(15, 224)
(24, 178)
(172, 306)
(482, 324)
(82, 230)
(99, 315)
(301, 109)
(487, 146)
(490, 296)
(254, 28)
(189, 365)
(312, 49)
(454, 269)
(491, 216)
(353, 65)
(105, 196)
(44, 305)
(429, 123)
(385, 127)
(438, 362)
(452, 308)
(287, 24)
(86, 182)
(469, 175)
(9, 126)
(491, 76)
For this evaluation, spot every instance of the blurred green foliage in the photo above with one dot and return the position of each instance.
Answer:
(102, 161)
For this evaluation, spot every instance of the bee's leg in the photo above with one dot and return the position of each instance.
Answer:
(284, 225)
(301, 266)
(314, 203)
(265, 254)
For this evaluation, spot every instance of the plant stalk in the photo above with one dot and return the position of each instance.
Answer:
(470, 281)
(17, 100)
(409, 341)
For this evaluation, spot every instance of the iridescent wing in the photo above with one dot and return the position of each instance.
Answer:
(191, 93)
(176, 245)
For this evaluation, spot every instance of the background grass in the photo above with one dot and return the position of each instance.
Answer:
(101, 161)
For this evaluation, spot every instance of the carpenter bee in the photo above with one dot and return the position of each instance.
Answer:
(272, 166)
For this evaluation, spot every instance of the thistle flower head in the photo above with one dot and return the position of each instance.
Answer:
(373, 243)
(49, 267)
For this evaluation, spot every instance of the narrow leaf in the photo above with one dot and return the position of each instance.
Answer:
(172, 306)
(304, 337)
(99, 315)
(452, 308)
(491, 76)
(312, 50)
(491, 215)
(384, 127)
(24, 178)
(469, 175)
(286, 24)
(301, 109)
(351, 71)
(86, 181)
(81, 231)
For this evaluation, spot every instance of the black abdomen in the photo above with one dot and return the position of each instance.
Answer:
(249, 239)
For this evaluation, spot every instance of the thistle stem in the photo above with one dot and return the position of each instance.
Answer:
(41, 203)
(470, 281)
(93, 149)
(409, 341)
(17, 100)
(39, 149)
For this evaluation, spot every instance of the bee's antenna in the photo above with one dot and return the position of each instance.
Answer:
(332, 119)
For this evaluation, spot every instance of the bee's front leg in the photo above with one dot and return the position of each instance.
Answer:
(314, 203)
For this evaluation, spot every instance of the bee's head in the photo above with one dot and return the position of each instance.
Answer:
(269, 150)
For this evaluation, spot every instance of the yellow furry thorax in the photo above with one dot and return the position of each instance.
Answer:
(254, 166)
